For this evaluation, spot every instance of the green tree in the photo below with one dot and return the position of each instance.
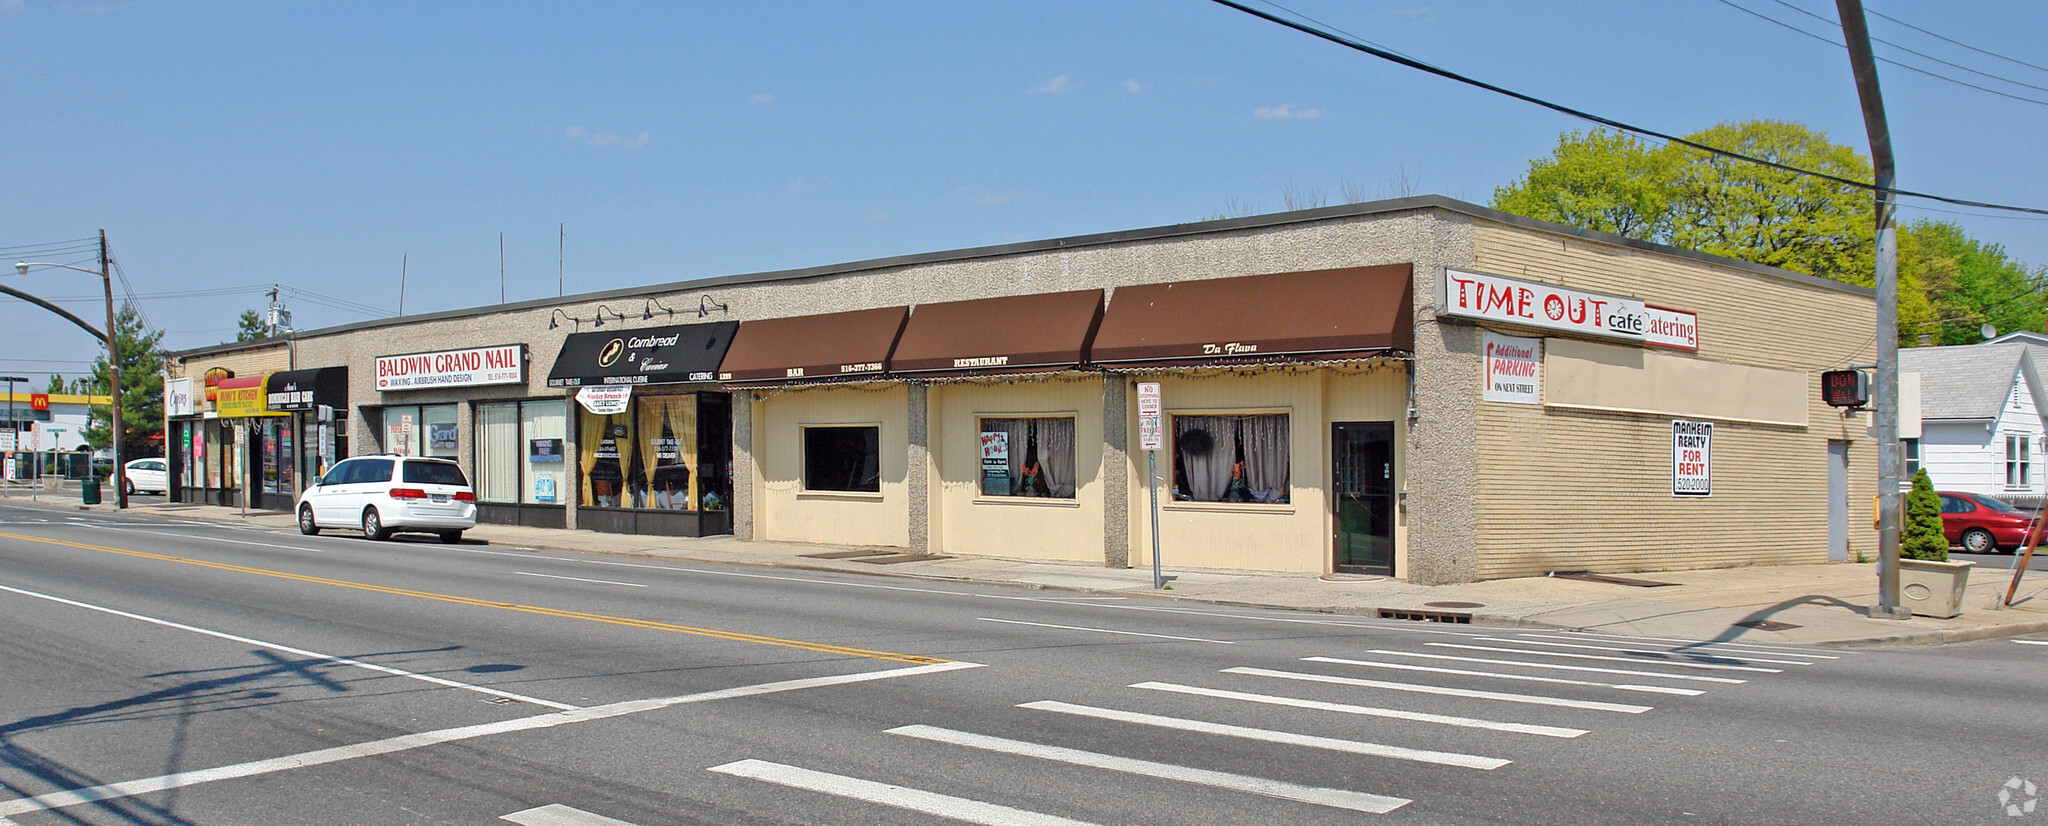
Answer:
(250, 326)
(56, 384)
(1969, 283)
(1689, 198)
(142, 390)
(1923, 538)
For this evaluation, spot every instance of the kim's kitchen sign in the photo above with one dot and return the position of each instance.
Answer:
(1485, 297)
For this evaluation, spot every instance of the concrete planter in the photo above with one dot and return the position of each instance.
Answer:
(1933, 589)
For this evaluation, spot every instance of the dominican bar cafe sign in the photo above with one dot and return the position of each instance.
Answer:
(1486, 297)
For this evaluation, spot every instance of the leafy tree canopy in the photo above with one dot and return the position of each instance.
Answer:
(250, 326)
(142, 390)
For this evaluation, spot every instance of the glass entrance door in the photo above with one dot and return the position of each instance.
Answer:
(1364, 488)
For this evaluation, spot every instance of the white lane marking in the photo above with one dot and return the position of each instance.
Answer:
(1646, 652)
(1368, 711)
(1700, 646)
(1686, 692)
(1444, 758)
(900, 797)
(407, 742)
(2032, 642)
(1075, 600)
(556, 814)
(382, 669)
(1334, 798)
(1768, 648)
(1104, 630)
(1636, 660)
(204, 538)
(1531, 699)
(1563, 667)
(581, 579)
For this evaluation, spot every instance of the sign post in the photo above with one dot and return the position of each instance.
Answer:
(1150, 438)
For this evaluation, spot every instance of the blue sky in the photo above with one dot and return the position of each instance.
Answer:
(228, 145)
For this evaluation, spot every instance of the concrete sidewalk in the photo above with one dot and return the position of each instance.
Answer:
(1797, 604)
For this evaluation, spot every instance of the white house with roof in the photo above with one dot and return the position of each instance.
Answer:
(1980, 417)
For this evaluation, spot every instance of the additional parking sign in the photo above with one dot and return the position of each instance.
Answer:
(1150, 436)
(1692, 458)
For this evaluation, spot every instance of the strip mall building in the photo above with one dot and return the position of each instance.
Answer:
(1419, 388)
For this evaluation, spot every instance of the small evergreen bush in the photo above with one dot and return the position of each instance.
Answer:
(1922, 537)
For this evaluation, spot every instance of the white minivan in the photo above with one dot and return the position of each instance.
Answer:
(386, 494)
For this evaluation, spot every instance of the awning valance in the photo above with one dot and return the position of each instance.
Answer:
(1301, 316)
(1013, 334)
(306, 390)
(647, 355)
(833, 346)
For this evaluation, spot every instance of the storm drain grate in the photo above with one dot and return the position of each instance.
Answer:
(1767, 625)
(1419, 615)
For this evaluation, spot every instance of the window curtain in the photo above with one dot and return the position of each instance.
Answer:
(604, 440)
(668, 426)
(1266, 457)
(1205, 449)
(1056, 455)
(498, 453)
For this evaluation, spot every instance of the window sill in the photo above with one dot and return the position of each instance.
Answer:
(1228, 507)
(1028, 501)
(846, 495)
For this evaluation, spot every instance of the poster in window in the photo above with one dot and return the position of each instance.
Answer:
(995, 463)
(542, 451)
(441, 436)
(544, 488)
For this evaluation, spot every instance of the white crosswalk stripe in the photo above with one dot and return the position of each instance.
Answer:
(1469, 761)
(1335, 798)
(1648, 652)
(1345, 708)
(1465, 672)
(931, 803)
(1563, 667)
(1533, 699)
(1637, 660)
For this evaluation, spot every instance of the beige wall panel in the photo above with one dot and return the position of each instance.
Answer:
(1292, 537)
(1067, 530)
(786, 512)
(1566, 489)
(1619, 377)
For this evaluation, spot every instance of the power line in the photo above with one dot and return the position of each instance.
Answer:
(1914, 53)
(1907, 67)
(1605, 121)
(1875, 13)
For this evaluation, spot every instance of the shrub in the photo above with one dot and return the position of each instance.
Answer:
(1922, 537)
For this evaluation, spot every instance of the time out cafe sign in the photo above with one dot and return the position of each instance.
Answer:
(1486, 297)
(504, 364)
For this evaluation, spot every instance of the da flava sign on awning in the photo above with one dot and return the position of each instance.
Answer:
(1487, 297)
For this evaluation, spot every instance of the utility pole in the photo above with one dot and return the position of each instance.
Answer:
(1857, 34)
(113, 379)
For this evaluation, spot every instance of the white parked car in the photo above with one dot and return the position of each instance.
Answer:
(153, 475)
(386, 494)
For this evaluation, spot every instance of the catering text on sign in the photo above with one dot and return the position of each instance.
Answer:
(1692, 458)
(1514, 369)
(1476, 295)
(475, 366)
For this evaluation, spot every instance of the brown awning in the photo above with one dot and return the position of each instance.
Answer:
(1014, 334)
(840, 346)
(1348, 313)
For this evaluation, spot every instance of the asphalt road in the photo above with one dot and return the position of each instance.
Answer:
(162, 672)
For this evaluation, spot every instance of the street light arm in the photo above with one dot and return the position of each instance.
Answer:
(95, 331)
(114, 430)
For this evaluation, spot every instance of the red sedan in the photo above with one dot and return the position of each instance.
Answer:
(1982, 524)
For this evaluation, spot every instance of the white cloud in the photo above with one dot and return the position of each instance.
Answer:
(762, 97)
(1055, 86)
(589, 138)
(1286, 111)
(1132, 86)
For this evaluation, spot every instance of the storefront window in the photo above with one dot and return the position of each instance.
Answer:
(520, 456)
(419, 431)
(843, 459)
(1230, 458)
(1028, 457)
(666, 429)
(276, 458)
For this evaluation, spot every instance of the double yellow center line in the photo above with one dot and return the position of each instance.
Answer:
(630, 622)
